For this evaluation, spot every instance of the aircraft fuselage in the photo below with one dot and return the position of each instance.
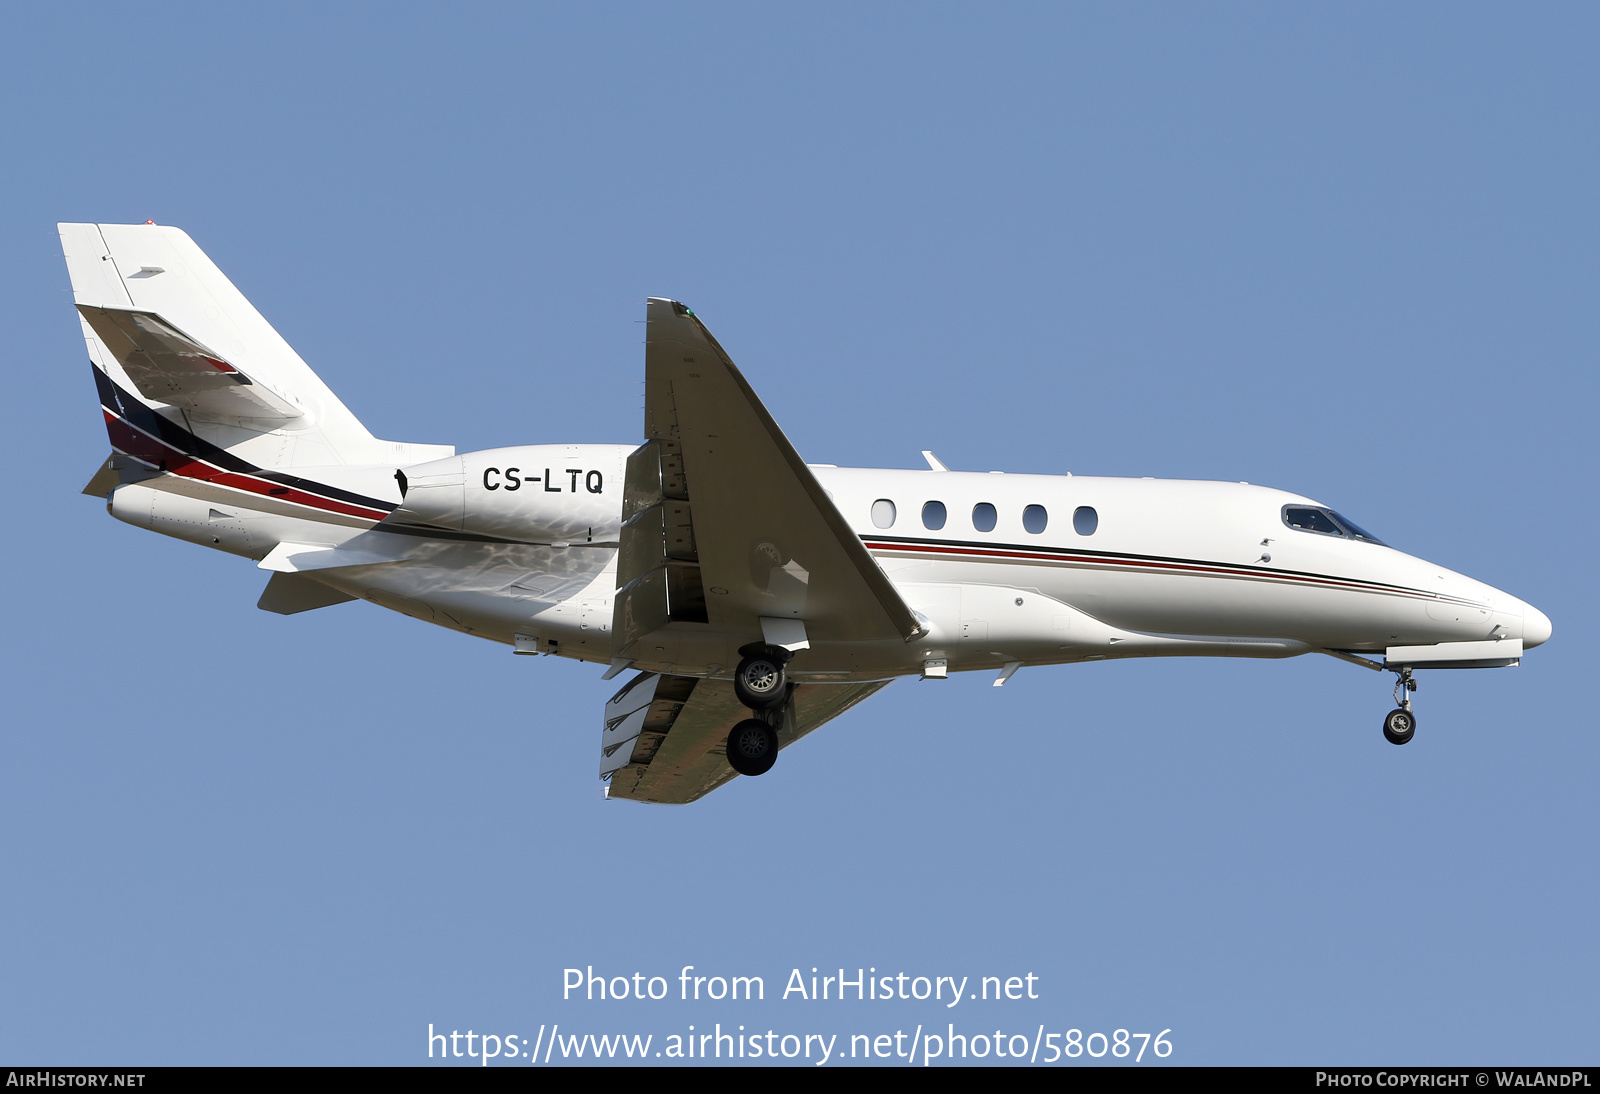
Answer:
(518, 546)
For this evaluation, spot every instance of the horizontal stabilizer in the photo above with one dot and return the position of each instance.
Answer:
(168, 366)
(119, 470)
(104, 481)
(290, 594)
(295, 558)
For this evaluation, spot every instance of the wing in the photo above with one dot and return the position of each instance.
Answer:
(725, 524)
(168, 366)
(665, 737)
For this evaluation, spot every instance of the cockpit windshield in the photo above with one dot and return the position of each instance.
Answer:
(1326, 522)
(1355, 531)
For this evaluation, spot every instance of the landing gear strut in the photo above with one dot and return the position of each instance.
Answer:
(1401, 723)
(762, 684)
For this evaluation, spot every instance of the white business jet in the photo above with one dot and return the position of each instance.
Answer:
(755, 595)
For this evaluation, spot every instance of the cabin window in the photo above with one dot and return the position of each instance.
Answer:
(1085, 520)
(883, 513)
(1310, 520)
(933, 515)
(1034, 518)
(983, 517)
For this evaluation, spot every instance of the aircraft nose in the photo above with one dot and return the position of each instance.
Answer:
(1535, 627)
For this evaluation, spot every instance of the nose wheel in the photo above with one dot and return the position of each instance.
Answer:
(1400, 724)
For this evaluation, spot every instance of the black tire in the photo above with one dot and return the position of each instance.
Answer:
(760, 682)
(752, 747)
(1399, 726)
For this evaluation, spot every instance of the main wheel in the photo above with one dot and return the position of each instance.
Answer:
(759, 682)
(752, 747)
(1399, 726)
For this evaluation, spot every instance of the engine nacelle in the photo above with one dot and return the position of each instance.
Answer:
(215, 525)
(537, 493)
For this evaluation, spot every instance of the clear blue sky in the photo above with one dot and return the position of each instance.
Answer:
(1348, 250)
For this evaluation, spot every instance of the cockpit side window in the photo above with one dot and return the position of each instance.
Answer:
(1325, 522)
(1310, 520)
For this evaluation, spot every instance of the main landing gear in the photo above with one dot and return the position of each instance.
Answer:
(1400, 725)
(760, 683)
(752, 747)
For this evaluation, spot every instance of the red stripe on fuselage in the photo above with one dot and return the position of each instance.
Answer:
(136, 442)
(1142, 563)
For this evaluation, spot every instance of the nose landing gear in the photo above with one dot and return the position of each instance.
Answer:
(1400, 725)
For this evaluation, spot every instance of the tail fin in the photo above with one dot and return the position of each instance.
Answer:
(172, 339)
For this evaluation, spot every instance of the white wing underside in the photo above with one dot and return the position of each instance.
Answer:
(768, 541)
(665, 737)
(724, 515)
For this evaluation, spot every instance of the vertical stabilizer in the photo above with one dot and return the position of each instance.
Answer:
(170, 336)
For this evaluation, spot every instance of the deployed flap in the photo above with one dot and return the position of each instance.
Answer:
(766, 539)
(676, 751)
(290, 594)
(628, 711)
(168, 366)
